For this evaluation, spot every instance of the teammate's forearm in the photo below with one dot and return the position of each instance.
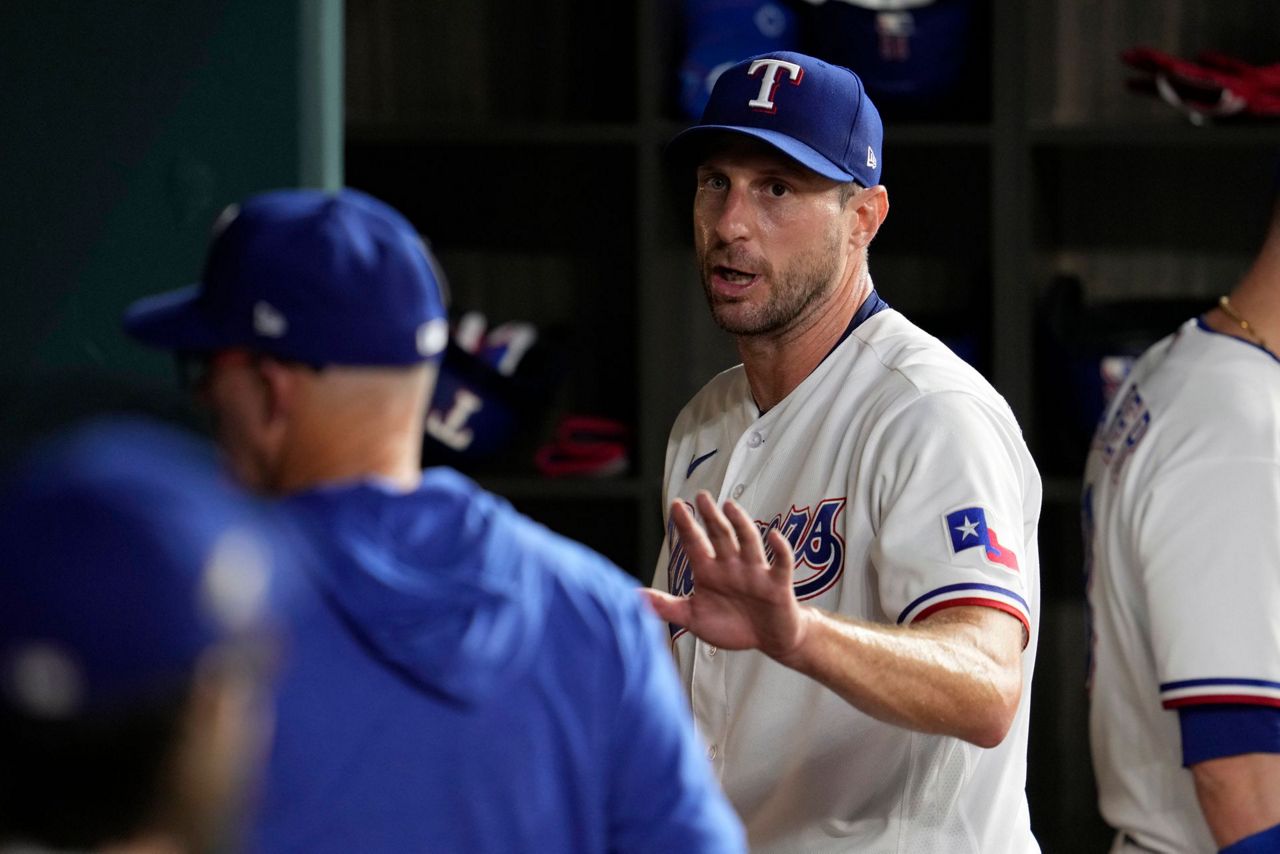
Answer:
(945, 676)
(1239, 795)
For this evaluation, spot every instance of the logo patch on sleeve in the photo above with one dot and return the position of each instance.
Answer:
(968, 529)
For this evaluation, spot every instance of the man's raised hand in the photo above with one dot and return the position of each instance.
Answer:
(741, 599)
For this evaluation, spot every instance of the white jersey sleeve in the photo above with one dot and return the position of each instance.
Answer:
(1211, 566)
(950, 508)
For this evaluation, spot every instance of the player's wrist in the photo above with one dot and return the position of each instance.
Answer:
(792, 652)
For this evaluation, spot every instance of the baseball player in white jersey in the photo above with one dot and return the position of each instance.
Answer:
(1182, 525)
(855, 614)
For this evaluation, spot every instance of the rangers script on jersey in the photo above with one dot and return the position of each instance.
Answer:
(1182, 518)
(901, 479)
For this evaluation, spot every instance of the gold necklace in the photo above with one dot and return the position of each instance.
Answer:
(1229, 311)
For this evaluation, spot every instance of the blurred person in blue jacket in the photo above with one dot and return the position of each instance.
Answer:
(462, 679)
(135, 644)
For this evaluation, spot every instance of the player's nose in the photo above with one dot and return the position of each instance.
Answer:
(735, 216)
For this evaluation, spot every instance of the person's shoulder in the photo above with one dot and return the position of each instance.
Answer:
(525, 543)
(1196, 365)
(590, 600)
(726, 392)
(724, 389)
(462, 524)
(476, 538)
(1203, 379)
(916, 364)
(441, 502)
(444, 485)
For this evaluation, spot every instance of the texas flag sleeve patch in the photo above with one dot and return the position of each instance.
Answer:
(968, 529)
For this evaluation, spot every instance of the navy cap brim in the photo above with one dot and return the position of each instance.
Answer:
(684, 143)
(173, 321)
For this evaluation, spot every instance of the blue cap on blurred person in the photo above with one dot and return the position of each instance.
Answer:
(318, 277)
(812, 111)
(126, 556)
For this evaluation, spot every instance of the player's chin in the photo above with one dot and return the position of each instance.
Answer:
(738, 318)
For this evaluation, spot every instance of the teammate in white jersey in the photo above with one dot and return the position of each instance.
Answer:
(1182, 526)
(861, 677)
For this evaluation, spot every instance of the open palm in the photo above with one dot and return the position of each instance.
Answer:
(740, 599)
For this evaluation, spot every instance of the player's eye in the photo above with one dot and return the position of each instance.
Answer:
(778, 190)
(714, 182)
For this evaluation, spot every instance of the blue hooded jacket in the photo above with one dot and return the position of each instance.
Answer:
(461, 679)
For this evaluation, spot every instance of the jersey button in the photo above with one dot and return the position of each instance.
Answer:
(712, 752)
(711, 650)
(738, 490)
(755, 440)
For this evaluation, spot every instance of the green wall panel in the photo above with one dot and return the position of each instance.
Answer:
(125, 126)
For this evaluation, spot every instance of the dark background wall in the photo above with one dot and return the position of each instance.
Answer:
(126, 126)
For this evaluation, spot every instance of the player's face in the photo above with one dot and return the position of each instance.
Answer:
(236, 394)
(771, 237)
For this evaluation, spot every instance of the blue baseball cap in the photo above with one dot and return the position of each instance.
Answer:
(126, 556)
(812, 111)
(309, 275)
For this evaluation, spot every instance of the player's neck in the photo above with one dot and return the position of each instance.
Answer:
(776, 364)
(1256, 302)
(362, 446)
(307, 467)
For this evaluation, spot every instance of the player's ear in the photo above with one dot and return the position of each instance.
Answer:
(280, 388)
(869, 208)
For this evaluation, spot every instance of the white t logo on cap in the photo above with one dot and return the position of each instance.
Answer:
(450, 429)
(769, 83)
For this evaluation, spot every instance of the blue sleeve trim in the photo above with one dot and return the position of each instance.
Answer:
(956, 588)
(1214, 731)
(1200, 683)
(1263, 842)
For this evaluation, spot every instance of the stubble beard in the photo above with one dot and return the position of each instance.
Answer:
(793, 291)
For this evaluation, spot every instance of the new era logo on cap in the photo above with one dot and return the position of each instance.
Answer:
(814, 112)
(432, 337)
(268, 322)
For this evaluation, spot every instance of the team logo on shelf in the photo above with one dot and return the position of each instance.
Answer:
(814, 537)
(450, 428)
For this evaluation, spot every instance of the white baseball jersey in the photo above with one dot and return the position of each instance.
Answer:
(901, 479)
(1182, 514)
